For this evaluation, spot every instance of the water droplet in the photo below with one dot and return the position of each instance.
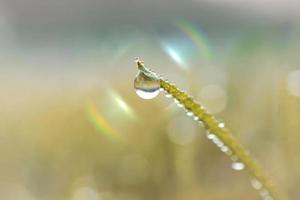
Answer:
(219, 144)
(238, 166)
(200, 122)
(196, 118)
(147, 95)
(256, 184)
(189, 114)
(168, 95)
(210, 136)
(216, 140)
(228, 152)
(224, 148)
(268, 197)
(265, 195)
(221, 125)
(179, 105)
(147, 84)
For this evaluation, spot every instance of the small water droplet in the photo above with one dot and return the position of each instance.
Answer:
(200, 122)
(264, 193)
(268, 198)
(224, 148)
(168, 95)
(196, 118)
(238, 166)
(147, 84)
(219, 144)
(210, 136)
(221, 125)
(189, 114)
(256, 184)
(215, 140)
(179, 105)
(228, 152)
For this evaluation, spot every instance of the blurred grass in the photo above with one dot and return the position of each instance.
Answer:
(48, 144)
(49, 149)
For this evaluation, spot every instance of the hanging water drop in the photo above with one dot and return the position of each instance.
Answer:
(238, 166)
(146, 83)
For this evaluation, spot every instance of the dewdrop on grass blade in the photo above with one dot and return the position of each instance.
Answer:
(148, 84)
(238, 166)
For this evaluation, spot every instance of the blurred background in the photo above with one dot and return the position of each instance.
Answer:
(72, 127)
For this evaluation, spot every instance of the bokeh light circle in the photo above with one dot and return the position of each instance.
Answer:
(214, 97)
(293, 83)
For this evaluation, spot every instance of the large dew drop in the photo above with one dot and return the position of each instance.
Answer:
(147, 85)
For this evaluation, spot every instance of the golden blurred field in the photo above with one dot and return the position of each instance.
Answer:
(72, 127)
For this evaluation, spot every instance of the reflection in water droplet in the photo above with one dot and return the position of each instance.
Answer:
(238, 166)
(147, 85)
(147, 95)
